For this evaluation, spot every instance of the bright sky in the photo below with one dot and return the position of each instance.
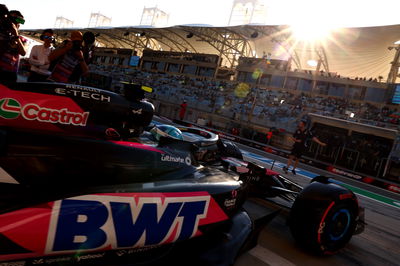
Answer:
(41, 14)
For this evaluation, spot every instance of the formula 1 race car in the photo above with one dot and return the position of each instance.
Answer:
(83, 181)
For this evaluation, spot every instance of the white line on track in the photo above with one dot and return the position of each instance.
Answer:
(266, 164)
(394, 205)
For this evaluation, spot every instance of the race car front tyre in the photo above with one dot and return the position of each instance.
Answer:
(323, 227)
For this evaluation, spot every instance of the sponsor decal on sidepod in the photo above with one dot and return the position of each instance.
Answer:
(108, 221)
(176, 159)
(12, 109)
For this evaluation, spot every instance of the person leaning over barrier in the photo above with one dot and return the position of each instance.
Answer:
(63, 60)
(299, 146)
(88, 47)
(39, 57)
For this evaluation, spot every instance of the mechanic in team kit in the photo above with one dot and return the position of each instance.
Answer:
(300, 137)
(182, 111)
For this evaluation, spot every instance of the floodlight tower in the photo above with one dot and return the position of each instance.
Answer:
(62, 22)
(394, 69)
(153, 16)
(98, 20)
(247, 12)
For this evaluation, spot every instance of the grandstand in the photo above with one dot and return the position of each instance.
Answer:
(352, 53)
(234, 78)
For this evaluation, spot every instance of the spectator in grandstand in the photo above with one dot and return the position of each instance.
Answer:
(182, 110)
(39, 57)
(66, 58)
(269, 110)
(299, 146)
(11, 43)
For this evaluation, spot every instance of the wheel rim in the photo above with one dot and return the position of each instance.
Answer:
(340, 224)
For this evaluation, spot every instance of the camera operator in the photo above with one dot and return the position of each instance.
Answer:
(39, 57)
(11, 45)
(87, 49)
(63, 60)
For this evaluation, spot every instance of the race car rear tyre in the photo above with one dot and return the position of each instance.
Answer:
(325, 227)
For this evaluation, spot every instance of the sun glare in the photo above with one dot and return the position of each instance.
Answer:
(310, 32)
(312, 63)
(307, 22)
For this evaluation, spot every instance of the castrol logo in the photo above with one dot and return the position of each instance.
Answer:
(12, 109)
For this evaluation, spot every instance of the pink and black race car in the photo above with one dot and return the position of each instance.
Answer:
(78, 186)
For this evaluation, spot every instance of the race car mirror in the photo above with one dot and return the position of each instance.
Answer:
(135, 92)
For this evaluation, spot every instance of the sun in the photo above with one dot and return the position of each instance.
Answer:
(310, 22)
(311, 31)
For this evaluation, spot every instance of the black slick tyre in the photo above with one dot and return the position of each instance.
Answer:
(325, 224)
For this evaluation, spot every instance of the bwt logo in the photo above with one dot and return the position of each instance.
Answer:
(11, 109)
(95, 222)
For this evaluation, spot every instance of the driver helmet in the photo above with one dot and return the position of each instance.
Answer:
(166, 131)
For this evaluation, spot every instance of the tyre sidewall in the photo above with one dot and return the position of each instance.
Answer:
(323, 226)
(336, 227)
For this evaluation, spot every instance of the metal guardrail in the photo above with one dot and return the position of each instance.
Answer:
(363, 163)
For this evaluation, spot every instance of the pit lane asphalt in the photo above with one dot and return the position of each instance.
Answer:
(377, 245)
